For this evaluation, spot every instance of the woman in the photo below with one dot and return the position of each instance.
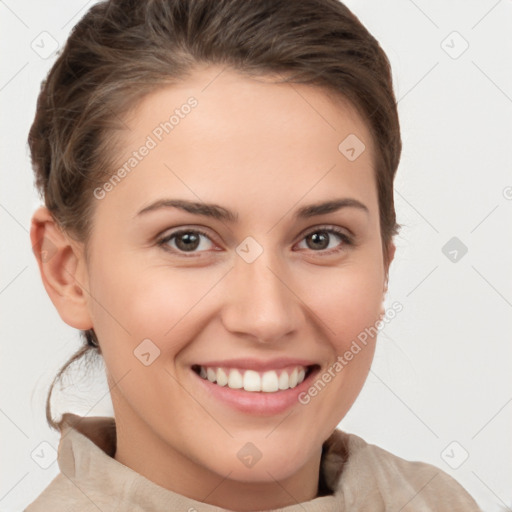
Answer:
(219, 222)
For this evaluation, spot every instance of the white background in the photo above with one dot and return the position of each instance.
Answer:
(442, 368)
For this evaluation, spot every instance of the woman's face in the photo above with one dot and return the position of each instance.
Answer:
(253, 278)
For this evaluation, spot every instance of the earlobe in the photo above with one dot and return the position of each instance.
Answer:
(62, 269)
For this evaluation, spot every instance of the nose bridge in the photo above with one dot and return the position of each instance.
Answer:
(258, 301)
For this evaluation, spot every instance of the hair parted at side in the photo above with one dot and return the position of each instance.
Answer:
(122, 50)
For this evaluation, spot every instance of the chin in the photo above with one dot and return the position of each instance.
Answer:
(245, 462)
(274, 468)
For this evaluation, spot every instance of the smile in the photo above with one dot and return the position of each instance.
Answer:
(268, 381)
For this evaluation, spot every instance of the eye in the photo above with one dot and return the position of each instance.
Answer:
(320, 239)
(194, 241)
(185, 241)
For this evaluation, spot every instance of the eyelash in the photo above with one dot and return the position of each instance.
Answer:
(346, 239)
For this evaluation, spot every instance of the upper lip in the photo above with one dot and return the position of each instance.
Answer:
(258, 364)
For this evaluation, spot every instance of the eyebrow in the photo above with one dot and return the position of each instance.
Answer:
(220, 213)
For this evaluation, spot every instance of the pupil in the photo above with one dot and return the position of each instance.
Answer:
(315, 237)
(191, 241)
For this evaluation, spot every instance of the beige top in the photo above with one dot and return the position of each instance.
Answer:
(354, 477)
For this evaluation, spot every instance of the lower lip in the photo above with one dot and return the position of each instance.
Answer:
(257, 402)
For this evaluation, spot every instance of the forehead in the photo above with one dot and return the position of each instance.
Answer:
(225, 136)
(229, 103)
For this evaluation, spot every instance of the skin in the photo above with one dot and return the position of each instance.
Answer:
(261, 150)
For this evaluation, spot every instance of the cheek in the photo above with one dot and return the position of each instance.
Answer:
(144, 310)
(348, 307)
(348, 302)
(135, 301)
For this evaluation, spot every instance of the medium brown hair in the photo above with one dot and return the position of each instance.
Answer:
(122, 50)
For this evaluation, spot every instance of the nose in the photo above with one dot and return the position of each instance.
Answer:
(260, 302)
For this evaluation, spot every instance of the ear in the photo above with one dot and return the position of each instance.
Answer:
(62, 268)
(391, 254)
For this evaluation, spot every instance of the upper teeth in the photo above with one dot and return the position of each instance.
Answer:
(251, 380)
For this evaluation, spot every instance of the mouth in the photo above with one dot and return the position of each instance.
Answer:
(252, 381)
